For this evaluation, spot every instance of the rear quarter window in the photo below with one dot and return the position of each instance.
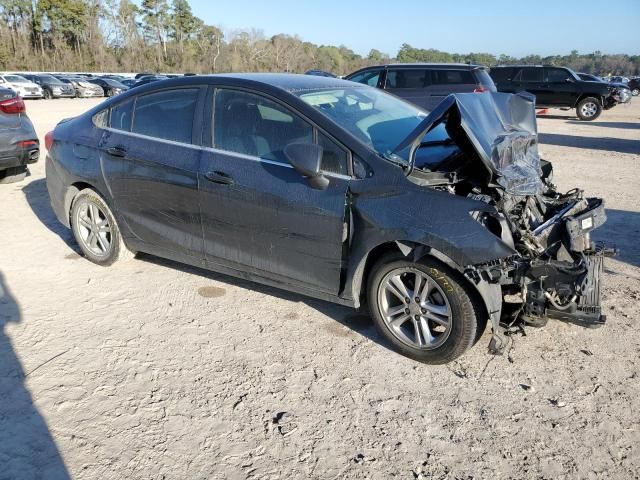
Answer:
(451, 77)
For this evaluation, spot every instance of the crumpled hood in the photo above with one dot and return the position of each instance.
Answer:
(500, 128)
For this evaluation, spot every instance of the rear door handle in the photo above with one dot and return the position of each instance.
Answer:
(219, 177)
(117, 152)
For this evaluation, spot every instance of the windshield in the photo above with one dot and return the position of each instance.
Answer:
(378, 119)
(16, 79)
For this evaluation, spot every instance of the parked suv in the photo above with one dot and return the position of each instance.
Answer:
(19, 144)
(51, 86)
(556, 87)
(425, 84)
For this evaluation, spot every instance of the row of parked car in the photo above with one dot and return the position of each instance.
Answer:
(58, 85)
(426, 85)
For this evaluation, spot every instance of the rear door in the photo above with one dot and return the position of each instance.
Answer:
(413, 85)
(152, 148)
(531, 79)
(258, 214)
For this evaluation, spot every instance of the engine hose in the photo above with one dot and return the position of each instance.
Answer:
(556, 305)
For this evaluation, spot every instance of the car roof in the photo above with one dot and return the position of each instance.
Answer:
(287, 82)
(457, 66)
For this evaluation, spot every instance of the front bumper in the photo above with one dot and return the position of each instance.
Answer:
(89, 92)
(569, 290)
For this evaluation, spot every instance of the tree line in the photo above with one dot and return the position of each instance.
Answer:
(165, 36)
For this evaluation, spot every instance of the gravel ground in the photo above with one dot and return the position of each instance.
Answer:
(152, 370)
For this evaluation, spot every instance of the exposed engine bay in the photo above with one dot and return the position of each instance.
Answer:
(484, 147)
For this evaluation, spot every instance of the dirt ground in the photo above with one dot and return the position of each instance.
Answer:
(152, 370)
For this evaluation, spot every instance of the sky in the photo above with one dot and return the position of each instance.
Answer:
(515, 27)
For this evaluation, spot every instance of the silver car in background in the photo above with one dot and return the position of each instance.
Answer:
(23, 87)
(19, 145)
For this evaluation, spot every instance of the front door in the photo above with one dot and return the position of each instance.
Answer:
(562, 87)
(152, 141)
(258, 214)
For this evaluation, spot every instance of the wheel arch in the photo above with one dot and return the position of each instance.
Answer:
(415, 251)
(71, 194)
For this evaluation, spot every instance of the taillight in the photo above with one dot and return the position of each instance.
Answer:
(13, 105)
(48, 140)
(28, 143)
(480, 89)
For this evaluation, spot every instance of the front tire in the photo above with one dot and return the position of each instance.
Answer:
(635, 92)
(422, 308)
(95, 229)
(589, 109)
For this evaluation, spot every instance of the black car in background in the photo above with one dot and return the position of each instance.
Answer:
(341, 192)
(149, 79)
(51, 86)
(557, 87)
(19, 144)
(109, 86)
(634, 85)
(425, 84)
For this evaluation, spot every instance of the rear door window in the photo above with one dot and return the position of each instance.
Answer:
(405, 78)
(530, 75)
(452, 77)
(167, 114)
(370, 77)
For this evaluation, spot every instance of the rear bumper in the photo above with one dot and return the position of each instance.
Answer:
(57, 191)
(19, 157)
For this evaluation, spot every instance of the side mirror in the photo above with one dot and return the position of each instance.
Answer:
(569, 80)
(306, 159)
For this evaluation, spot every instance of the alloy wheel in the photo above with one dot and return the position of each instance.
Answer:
(415, 308)
(589, 109)
(94, 229)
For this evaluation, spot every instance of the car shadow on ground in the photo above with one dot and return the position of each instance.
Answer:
(622, 125)
(357, 320)
(27, 449)
(37, 197)
(622, 230)
(621, 145)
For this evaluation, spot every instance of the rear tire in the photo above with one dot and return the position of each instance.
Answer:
(436, 322)
(96, 230)
(13, 175)
(635, 92)
(589, 109)
(46, 94)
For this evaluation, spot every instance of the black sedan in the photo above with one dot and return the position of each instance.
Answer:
(338, 191)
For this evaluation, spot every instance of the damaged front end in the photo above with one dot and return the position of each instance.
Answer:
(484, 147)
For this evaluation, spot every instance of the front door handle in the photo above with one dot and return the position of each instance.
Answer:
(117, 152)
(219, 177)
